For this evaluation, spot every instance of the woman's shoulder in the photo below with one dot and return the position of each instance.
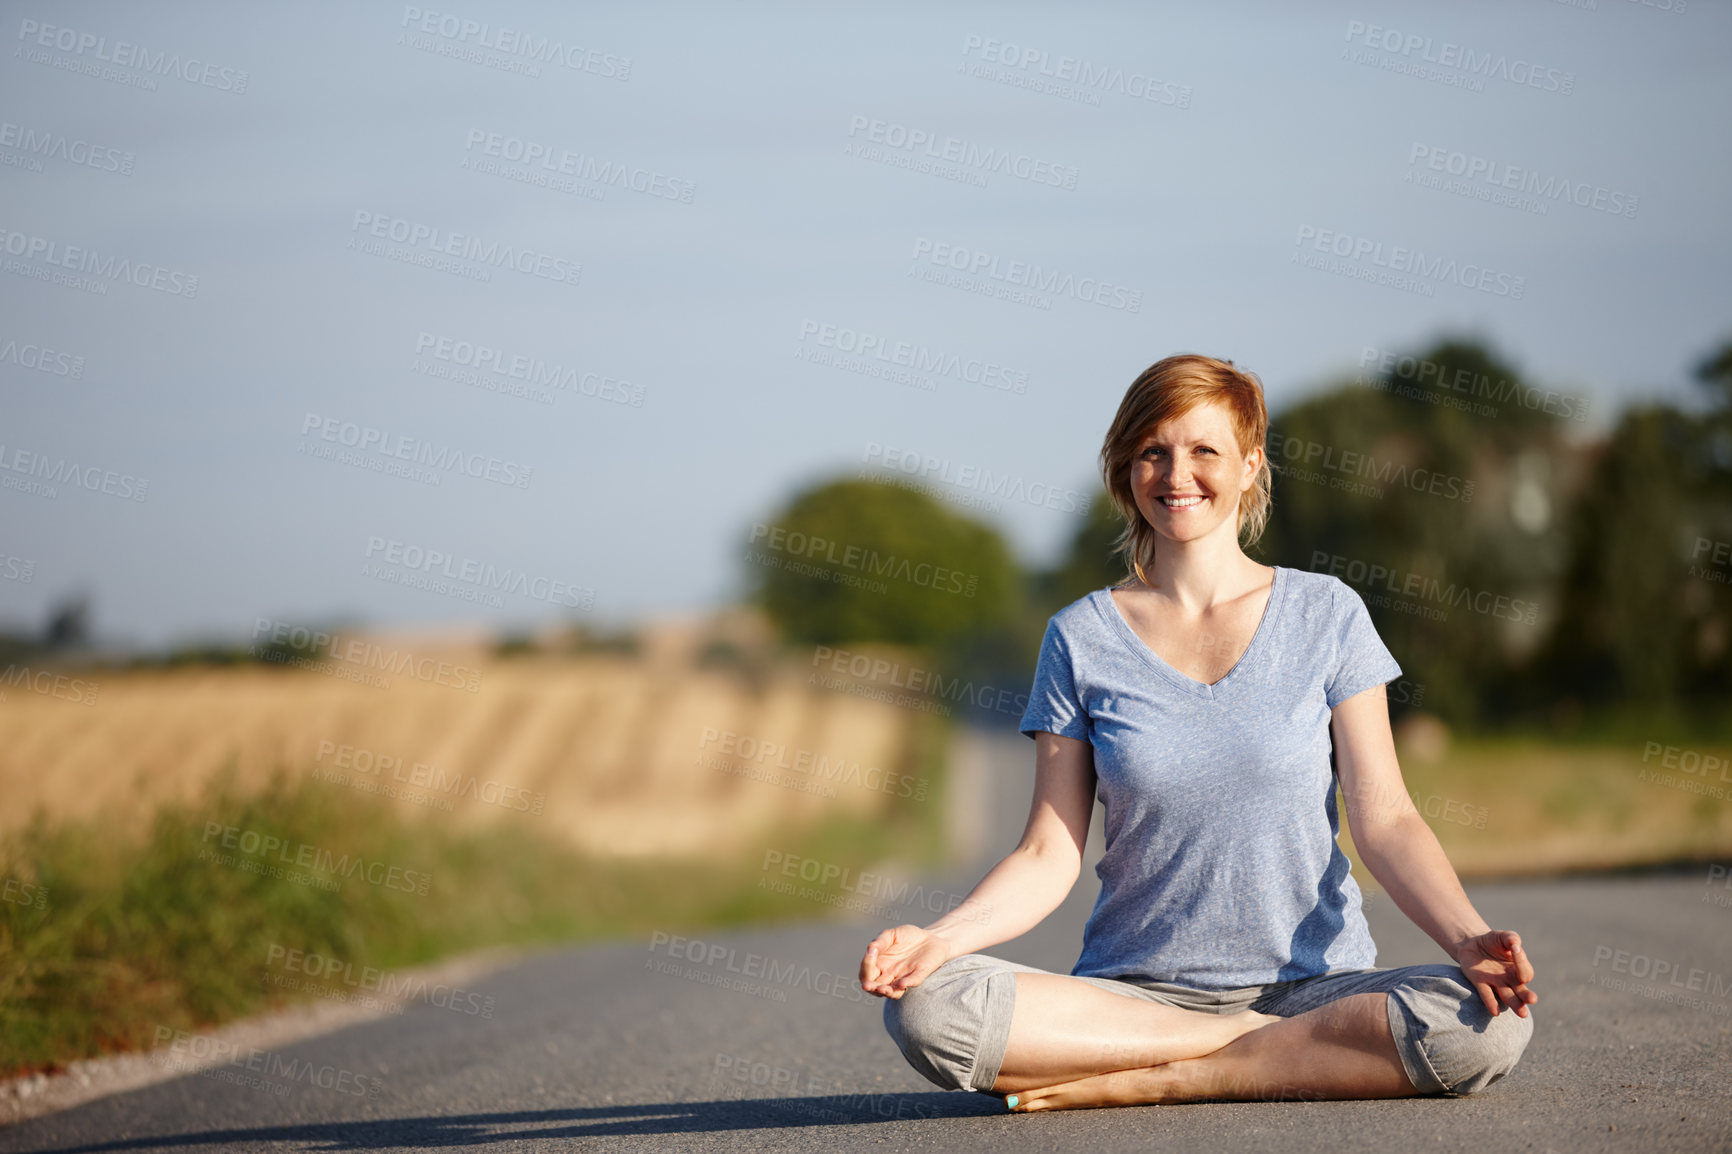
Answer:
(1315, 594)
(1084, 612)
(1082, 622)
(1312, 582)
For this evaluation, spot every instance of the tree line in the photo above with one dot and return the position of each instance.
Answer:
(1522, 575)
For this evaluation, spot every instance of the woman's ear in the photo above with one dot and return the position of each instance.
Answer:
(1253, 465)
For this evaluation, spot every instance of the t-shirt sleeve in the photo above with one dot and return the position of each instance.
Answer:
(1361, 658)
(1053, 704)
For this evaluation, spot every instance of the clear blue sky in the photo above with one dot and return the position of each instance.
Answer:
(1269, 122)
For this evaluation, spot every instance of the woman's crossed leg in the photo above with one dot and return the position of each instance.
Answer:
(1342, 1050)
(1064, 1028)
(1054, 1041)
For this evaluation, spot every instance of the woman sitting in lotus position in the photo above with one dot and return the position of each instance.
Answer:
(1212, 702)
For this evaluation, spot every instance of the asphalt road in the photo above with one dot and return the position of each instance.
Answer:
(639, 1047)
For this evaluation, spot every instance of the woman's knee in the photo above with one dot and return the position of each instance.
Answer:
(939, 1024)
(1465, 1045)
(1499, 1042)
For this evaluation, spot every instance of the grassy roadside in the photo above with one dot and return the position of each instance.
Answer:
(104, 938)
(1514, 806)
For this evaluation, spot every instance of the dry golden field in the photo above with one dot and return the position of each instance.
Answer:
(618, 755)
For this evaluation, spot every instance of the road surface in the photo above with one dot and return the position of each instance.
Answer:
(759, 1040)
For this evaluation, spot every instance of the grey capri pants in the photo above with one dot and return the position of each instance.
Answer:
(953, 1027)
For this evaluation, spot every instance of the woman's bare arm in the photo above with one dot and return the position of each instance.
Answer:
(1018, 893)
(1404, 856)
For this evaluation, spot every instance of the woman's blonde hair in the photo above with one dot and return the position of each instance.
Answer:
(1170, 388)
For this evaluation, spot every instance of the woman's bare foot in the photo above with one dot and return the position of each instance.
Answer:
(1141, 1077)
(1147, 1086)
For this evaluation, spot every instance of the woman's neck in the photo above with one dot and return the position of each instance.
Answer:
(1197, 575)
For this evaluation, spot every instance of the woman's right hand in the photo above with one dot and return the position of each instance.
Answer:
(1017, 892)
(899, 959)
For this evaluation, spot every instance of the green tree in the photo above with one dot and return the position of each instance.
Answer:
(1619, 636)
(861, 560)
(1647, 610)
(1434, 489)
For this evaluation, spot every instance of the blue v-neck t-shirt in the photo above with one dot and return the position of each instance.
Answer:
(1221, 867)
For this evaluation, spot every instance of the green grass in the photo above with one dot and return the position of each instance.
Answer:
(105, 938)
(1554, 806)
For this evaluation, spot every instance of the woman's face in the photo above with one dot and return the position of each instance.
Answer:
(1188, 474)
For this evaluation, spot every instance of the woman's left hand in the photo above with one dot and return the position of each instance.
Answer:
(1499, 969)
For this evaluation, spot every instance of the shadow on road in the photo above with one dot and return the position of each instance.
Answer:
(583, 1122)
